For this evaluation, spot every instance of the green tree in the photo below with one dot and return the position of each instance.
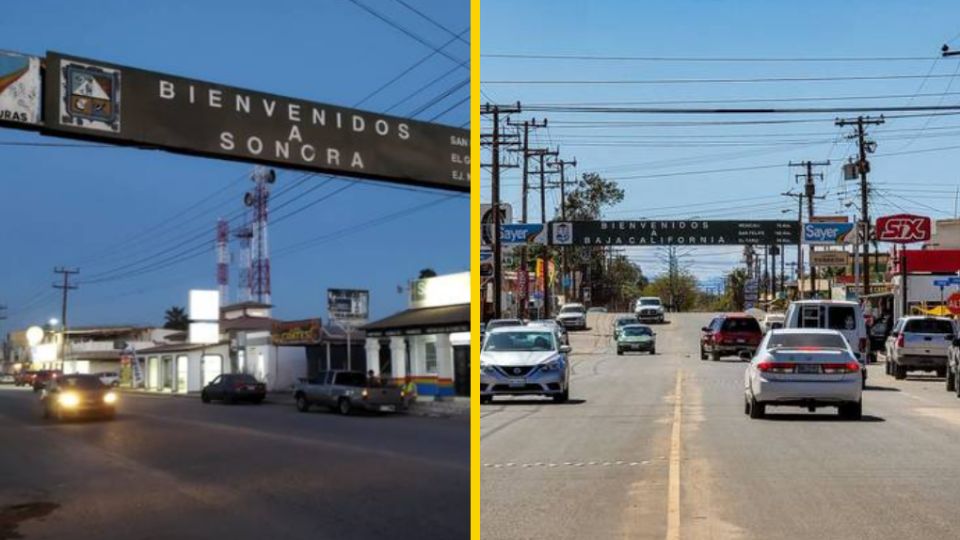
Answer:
(176, 318)
(678, 290)
(427, 273)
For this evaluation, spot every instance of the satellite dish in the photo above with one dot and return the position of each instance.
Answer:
(248, 198)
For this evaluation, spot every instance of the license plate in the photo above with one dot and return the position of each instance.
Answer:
(515, 383)
(808, 368)
(390, 408)
(741, 341)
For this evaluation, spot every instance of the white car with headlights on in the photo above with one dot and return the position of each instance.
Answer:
(804, 367)
(524, 360)
(69, 396)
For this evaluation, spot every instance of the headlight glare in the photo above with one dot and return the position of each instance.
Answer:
(69, 399)
(110, 398)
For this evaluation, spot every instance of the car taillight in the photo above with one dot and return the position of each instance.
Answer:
(776, 367)
(848, 367)
(364, 393)
(900, 340)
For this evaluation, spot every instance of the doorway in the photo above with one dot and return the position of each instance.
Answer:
(461, 370)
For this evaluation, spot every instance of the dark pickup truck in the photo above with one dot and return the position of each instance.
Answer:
(345, 391)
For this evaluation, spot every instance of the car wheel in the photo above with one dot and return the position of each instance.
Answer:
(956, 387)
(757, 409)
(204, 397)
(715, 356)
(653, 350)
(343, 406)
(950, 380)
(562, 398)
(886, 367)
(703, 354)
(619, 352)
(851, 411)
(941, 372)
(746, 406)
(484, 400)
(302, 404)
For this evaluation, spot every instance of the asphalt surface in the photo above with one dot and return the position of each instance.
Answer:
(175, 468)
(628, 459)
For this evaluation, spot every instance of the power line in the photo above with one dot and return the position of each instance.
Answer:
(407, 32)
(529, 56)
(716, 81)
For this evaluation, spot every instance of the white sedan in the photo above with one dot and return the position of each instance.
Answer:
(804, 367)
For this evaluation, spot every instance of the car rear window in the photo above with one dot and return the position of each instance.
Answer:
(928, 326)
(626, 320)
(841, 318)
(243, 378)
(636, 331)
(351, 379)
(740, 324)
(833, 341)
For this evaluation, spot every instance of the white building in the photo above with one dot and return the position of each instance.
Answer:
(429, 342)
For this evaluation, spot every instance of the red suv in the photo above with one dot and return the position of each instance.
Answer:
(730, 334)
(43, 376)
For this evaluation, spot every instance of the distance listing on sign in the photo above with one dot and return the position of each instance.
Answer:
(97, 100)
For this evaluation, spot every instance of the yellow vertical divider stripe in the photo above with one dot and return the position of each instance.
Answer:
(475, 269)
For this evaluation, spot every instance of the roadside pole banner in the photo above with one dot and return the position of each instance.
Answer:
(19, 89)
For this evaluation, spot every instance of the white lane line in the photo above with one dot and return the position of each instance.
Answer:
(673, 484)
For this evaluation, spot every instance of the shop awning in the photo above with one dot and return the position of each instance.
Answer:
(432, 320)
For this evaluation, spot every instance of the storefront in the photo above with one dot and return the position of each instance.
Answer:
(178, 368)
(428, 343)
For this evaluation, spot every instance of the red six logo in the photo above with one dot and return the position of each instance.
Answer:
(903, 228)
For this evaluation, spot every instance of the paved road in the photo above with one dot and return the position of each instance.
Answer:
(174, 468)
(659, 447)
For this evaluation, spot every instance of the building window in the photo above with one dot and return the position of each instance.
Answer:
(430, 356)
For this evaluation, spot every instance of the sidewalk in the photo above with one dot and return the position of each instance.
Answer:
(449, 407)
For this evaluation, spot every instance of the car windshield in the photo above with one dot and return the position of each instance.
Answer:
(928, 326)
(649, 301)
(571, 309)
(80, 382)
(636, 331)
(741, 324)
(829, 341)
(520, 341)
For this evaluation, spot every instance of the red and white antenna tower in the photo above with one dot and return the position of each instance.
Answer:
(257, 199)
(223, 260)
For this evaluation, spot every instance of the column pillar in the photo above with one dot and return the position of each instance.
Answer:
(444, 364)
(398, 358)
(373, 354)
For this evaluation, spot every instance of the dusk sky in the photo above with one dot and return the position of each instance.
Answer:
(683, 166)
(124, 214)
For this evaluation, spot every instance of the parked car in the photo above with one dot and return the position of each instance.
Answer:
(6, 378)
(649, 308)
(24, 378)
(77, 395)
(42, 377)
(346, 391)
(919, 344)
(804, 367)
(620, 323)
(109, 378)
(730, 334)
(843, 316)
(234, 387)
(562, 333)
(573, 316)
(524, 361)
(636, 337)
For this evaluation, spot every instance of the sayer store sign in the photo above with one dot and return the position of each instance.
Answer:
(99, 100)
(903, 229)
(827, 233)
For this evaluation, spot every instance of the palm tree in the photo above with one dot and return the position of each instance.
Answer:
(176, 318)
(427, 273)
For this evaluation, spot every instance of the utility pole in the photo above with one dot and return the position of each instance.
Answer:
(65, 288)
(496, 111)
(542, 153)
(863, 167)
(523, 274)
(810, 191)
(562, 165)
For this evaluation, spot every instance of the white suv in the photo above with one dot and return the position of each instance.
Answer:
(649, 308)
(573, 316)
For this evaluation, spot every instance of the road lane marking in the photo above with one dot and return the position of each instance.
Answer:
(673, 484)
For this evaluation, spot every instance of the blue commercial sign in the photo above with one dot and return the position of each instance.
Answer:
(954, 280)
(941, 282)
(827, 234)
(519, 234)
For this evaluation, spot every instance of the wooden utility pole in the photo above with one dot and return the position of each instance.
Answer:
(543, 153)
(562, 165)
(523, 272)
(863, 167)
(810, 192)
(65, 287)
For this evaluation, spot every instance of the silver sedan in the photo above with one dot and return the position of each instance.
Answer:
(804, 367)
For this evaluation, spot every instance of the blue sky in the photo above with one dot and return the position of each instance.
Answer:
(905, 175)
(102, 208)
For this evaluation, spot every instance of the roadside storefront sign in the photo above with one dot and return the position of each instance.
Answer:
(305, 332)
(519, 234)
(831, 259)
(903, 228)
(827, 234)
